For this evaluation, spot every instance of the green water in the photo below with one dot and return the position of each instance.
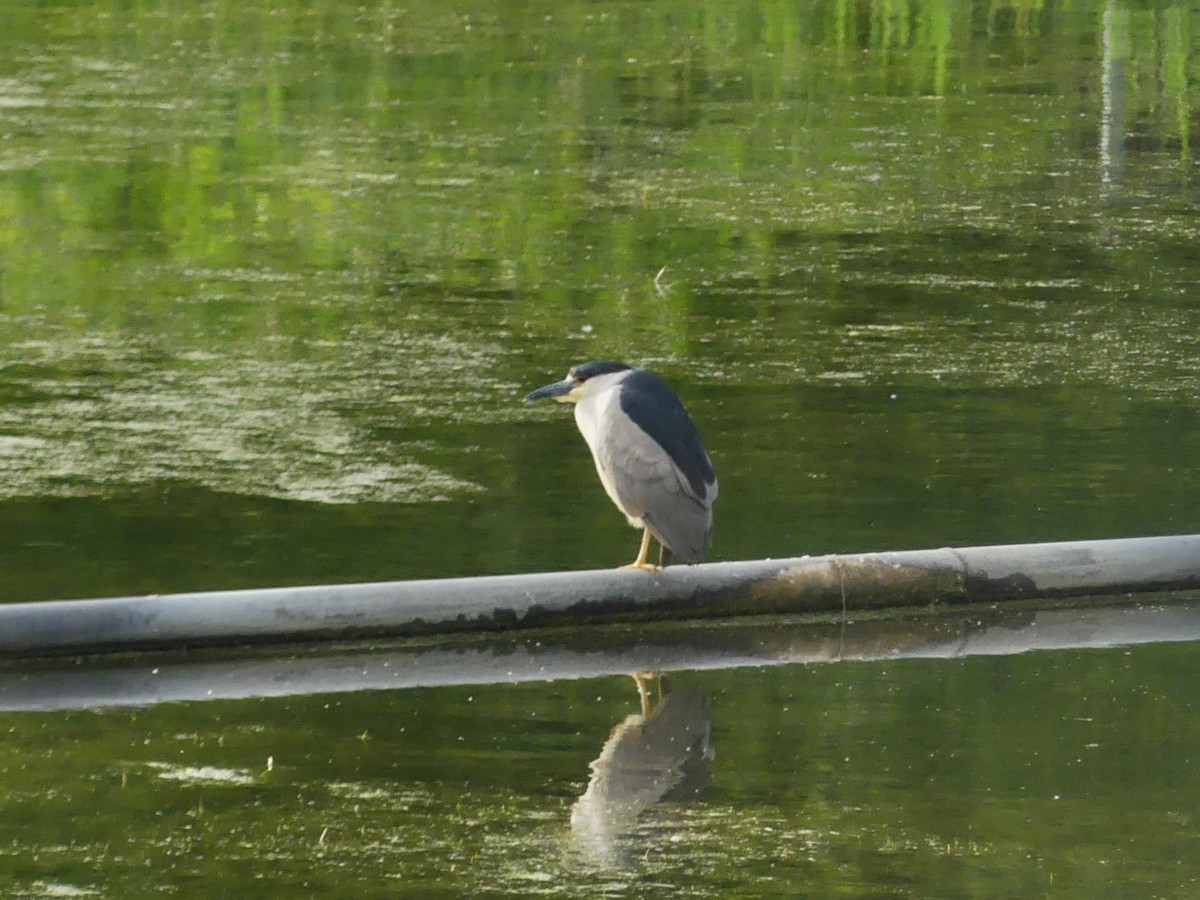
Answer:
(274, 278)
(1069, 774)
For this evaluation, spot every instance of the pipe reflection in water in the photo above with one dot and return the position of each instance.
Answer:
(138, 679)
(660, 754)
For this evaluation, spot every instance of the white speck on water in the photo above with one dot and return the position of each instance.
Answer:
(203, 774)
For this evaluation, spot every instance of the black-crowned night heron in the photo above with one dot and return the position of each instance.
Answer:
(649, 455)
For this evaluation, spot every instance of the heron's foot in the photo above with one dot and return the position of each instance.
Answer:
(641, 561)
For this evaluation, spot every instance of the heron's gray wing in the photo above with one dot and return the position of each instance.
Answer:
(650, 486)
(654, 407)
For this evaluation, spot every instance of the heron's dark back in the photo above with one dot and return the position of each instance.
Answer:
(655, 408)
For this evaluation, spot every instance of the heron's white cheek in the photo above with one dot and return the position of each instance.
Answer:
(590, 411)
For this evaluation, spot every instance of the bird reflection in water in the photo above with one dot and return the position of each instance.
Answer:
(657, 755)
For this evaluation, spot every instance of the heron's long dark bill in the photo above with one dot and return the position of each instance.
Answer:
(558, 389)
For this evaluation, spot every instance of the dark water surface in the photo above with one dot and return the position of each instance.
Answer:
(1050, 774)
(274, 278)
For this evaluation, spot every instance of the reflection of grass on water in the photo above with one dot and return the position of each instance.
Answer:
(420, 140)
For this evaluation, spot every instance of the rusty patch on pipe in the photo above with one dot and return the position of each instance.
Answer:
(856, 583)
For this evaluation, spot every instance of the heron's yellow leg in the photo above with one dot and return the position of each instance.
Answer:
(643, 692)
(640, 562)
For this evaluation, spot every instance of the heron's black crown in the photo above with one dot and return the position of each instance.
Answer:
(584, 371)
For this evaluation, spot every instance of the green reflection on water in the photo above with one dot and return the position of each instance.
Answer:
(929, 279)
(1067, 773)
(273, 279)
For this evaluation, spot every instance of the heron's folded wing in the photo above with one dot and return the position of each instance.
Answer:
(648, 484)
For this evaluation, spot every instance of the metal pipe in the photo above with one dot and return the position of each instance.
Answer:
(494, 603)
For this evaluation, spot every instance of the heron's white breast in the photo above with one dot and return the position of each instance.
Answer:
(592, 411)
